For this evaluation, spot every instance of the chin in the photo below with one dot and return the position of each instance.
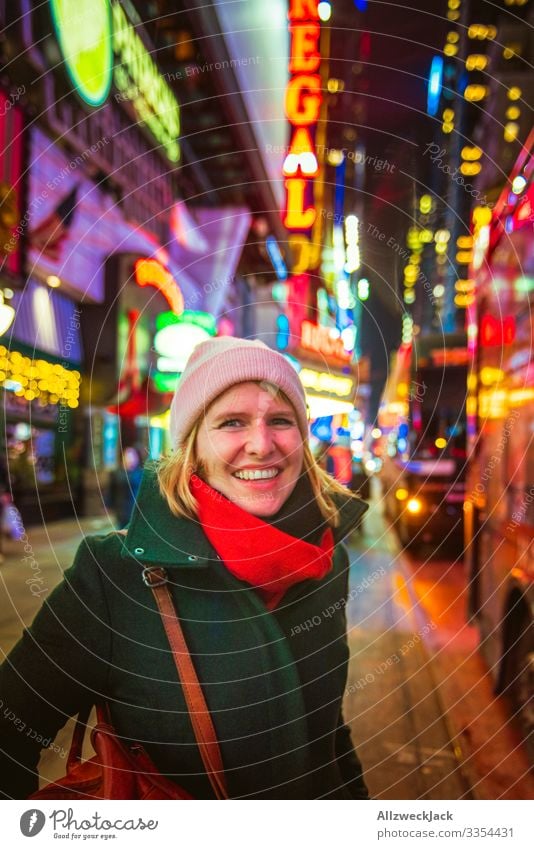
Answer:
(258, 505)
(263, 510)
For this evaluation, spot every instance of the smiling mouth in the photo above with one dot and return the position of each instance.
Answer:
(256, 474)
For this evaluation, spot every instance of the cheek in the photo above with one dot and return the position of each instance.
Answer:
(294, 451)
(216, 449)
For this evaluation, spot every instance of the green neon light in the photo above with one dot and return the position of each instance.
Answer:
(201, 319)
(138, 79)
(165, 381)
(83, 30)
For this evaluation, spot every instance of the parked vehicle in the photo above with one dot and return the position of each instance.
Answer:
(423, 422)
(499, 507)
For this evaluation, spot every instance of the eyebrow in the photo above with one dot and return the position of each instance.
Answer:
(283, 411)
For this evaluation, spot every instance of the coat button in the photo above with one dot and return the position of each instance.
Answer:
(193, 558)
(139, 550)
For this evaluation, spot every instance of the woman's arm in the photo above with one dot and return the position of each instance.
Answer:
(59, 666)
(349, 763)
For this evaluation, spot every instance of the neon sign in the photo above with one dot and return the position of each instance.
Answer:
(83, 30)
(330, 384)
(497, 331)
(138, 78)
(175, 340)
(150, 272)
(323, 340)
(302, 105)
(276, 257)
(91, 33)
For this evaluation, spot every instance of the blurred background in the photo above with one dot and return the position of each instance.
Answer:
(350, 182)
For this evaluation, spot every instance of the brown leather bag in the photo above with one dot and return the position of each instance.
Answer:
(121, 771)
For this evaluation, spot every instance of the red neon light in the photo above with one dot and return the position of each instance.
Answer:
(302, 106)
(303, 10)
(150, 272)
(523, 211)
(494, 332)
(508, 330)
(12, 141)
(305, 56)
(317, 338)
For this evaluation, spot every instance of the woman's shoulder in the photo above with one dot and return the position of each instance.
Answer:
(98, 565)
(110, 539)
(100, 549)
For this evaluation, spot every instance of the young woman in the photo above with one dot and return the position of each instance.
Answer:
(248, 530)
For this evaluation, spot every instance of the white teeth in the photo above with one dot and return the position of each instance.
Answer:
(256, 474)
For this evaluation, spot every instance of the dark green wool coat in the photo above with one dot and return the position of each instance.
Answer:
(273, 681)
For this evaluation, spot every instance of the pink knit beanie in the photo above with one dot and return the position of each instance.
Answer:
(219, 363)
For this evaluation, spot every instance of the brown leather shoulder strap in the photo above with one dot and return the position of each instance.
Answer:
(75, 751)
(203, 729)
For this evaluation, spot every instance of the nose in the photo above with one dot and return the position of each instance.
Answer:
(259, 440)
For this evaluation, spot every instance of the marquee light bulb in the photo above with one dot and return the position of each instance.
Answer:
(324, 10)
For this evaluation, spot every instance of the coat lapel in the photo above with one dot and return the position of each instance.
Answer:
(155, 535)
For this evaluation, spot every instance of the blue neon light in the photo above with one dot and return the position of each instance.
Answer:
(282, 332)
(435, 81)
(361, 5)
(321, 428)
(276, 257)
(339, 191)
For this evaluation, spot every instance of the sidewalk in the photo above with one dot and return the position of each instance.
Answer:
(34, 565)
(485, 730)
(427, 725)
(398, 721)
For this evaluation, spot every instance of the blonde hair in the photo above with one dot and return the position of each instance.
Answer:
(174, 474)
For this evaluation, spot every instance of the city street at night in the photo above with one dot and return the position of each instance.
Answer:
(440, 732)
(267, 419)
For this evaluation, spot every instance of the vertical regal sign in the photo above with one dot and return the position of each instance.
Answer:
(302, 105)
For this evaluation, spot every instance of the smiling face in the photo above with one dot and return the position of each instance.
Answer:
(250, 448)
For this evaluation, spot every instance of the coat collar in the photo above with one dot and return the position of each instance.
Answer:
(157, 536)
(351, 511)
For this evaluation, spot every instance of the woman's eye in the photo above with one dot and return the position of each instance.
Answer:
(231, 423)
(281, 420)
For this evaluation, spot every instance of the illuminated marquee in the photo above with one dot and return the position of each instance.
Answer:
(38, 380)
(323, 340)
(302, 105)
(150, 272)
(328, 384)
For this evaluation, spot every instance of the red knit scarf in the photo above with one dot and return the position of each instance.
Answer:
(256, 552)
